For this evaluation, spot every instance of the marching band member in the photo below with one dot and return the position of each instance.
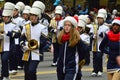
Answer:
(84, 34)
(19, 7)
(16, 61)
(26, 14)
(99, 32)
(32, 31)
(56, 25)
(114, 13)
(90, 25)
(7, 37)
(112, 41)
(44, 22)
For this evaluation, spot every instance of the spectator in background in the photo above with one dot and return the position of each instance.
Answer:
(83, 11)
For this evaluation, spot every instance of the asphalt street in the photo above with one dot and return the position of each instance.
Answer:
(46, 72)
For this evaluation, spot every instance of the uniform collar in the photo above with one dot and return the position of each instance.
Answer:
(33, 24)
(8, 22)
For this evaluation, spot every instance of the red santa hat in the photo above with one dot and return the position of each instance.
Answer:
(72, 20)
(75, 17)
(116, 20)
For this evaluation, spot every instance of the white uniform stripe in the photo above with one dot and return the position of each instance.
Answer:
(64, 58)
(75, 76)
(77, 61)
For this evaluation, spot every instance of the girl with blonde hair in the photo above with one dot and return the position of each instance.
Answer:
(71, 51)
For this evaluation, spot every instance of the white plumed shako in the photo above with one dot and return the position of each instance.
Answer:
(114, 11)
(27, 9)
(35, 11)
(102, 11)
(101, 16)
(82, 20)
(8, 9)
(40, 5)
(20, 6)
(59, 10)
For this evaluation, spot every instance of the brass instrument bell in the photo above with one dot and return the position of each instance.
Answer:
(33, 44)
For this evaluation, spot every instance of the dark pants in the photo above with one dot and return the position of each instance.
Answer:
(16, 57)
(30, 69)
(79, 75)
(5, 65)
(42, 56)
(56, 52)
(13, 59)
(19, 55)
(87, 57)
(97, 62)
(67, 76)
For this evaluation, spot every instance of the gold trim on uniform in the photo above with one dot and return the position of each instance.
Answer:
(1, 36)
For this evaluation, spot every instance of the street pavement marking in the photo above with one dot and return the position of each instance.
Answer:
(38, 73)
(50, 72)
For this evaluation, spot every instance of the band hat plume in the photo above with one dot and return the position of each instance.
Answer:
(72, 20)
(8, 9)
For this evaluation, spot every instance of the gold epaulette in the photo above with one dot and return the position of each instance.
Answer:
(2, 40)
(53, 23)
(1, 24)
(28, 33)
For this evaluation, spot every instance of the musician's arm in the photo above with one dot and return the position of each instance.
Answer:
(103, 45)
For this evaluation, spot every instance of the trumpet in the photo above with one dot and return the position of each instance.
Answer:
(95, 44)
(33, 44)
(1, 31)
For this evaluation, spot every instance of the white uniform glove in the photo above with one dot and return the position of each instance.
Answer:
(94, 36)
(55, 30)
(25, 48)
(1, 36)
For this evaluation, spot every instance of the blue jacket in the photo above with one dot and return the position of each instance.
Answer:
(69, 57)
(112, 49)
